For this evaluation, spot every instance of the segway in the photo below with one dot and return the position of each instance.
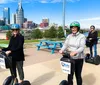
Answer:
(65, 63)
(6, 63)
(92, 60)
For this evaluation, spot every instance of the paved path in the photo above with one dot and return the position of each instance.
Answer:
(43, 68)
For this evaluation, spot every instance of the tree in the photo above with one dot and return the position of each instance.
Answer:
(60, 32)
(52, 32)
(37, 34)
(8, 34)
(46, 34)
(68, 31)
(22, 32)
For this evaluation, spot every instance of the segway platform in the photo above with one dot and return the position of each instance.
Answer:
(92, 60)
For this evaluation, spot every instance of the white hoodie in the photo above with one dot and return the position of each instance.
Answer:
(75, 43)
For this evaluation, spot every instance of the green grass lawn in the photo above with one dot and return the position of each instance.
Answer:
(26, 41)
(30, 41)
(4, 41)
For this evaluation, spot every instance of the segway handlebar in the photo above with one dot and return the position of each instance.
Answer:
(3, 54)
(66, 54)
(5, 60)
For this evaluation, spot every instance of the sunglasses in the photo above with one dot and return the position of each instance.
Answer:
(91, 27)
(14, 29)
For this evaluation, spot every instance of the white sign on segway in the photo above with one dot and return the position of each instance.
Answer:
(2, 63)
(66, 67)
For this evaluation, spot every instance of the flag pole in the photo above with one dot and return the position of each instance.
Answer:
(64, 3)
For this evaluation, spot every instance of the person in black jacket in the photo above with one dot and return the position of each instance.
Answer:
(93, 38)
(15, 49)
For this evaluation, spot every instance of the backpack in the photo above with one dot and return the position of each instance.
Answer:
(89, 43)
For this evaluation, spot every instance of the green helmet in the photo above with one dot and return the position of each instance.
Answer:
(75, 24)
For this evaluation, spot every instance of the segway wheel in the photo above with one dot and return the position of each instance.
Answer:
(8, 80)
(25, 83)
(97, 60)
(63, 82)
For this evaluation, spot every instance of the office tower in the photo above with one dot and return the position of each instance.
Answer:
(6, 15)
(20, 14)
(13, 18)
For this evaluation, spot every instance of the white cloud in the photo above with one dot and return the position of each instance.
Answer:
(72, 0)
(41, 1)
(86, 23)
(44, 1)
(2, 1)
(54, 1)
(9, 1)
(6, 1)
(90, 19)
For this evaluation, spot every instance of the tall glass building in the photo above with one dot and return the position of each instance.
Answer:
(20, 14)
(6, 15)
(13, 18)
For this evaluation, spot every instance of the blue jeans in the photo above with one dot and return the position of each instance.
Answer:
(95, 50)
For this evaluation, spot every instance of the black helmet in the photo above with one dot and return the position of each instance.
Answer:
(92, 26)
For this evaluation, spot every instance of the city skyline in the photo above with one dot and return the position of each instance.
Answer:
(85, 11)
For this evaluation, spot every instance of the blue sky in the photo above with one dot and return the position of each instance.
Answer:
(87, 12)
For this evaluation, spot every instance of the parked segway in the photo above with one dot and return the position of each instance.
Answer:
(92, 60)
(65, 63)
(6, 62)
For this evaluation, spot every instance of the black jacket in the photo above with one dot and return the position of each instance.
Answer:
(94, 36)
(16, 47)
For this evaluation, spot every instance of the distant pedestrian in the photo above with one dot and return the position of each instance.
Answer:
(93, 40)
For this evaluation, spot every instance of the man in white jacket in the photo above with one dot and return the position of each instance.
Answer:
(75, 44)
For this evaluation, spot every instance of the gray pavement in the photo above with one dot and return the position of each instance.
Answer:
(43, 68)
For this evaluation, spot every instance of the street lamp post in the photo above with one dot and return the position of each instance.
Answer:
(64, 3)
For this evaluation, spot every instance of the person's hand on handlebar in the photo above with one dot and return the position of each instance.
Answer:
(90, 38)
(8, 52)
(73, 54)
